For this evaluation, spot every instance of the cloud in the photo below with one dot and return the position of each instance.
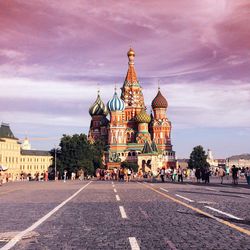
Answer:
(53, 56)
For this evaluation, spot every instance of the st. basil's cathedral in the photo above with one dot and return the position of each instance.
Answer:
(130, 133)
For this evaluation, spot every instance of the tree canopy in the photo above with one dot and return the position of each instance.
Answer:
(198, 158)
(77, 153)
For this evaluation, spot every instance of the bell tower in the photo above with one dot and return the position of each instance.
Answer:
(132, 93)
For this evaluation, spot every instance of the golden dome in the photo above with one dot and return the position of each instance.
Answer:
(131, 52)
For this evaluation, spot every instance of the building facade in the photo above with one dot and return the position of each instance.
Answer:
(130, 133)
(18, 158)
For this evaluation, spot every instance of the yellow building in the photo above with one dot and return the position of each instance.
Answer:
(19, 161)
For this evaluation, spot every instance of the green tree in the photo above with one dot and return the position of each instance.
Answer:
(131, 165)
(77, 153)
(198, 158)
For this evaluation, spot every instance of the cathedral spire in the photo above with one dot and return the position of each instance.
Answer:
(131, 76)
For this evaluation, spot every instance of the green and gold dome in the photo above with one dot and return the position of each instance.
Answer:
(143, 117)
(98, 108)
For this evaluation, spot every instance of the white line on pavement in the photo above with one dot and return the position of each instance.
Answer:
(123, 213)
(112, 183)
(164, 189)
(184, 198)
(115, 190)
(211, 189)
(221, 212)
(20, 235)
(243, 196)
(117, 197)
(133, 243)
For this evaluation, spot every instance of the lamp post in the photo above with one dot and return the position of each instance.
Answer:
(55, 165)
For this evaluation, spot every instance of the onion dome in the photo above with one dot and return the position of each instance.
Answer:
(159, 101)
(116, 103)
(143, 117)
(98, 108)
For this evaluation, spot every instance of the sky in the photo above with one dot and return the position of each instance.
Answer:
(54, 57)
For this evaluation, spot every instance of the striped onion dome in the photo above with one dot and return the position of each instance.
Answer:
(116, 103)
(143, 117)
(98, 108)
(159, 101)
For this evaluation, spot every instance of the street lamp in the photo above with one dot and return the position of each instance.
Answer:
(55, 165)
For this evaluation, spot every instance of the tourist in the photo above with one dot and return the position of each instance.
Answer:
(73, 176)
(192, 175)
(174, 174)
(162, 174)
(1, 179)
(221, 174)
(129, 172)
(198, 174)
(207, 173)
(247, 174)
(65, 175)
(180, 174)
(235, 174)
(46, 176)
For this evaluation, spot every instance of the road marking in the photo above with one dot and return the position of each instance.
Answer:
(184, 198)
(170, 244)
(133, 243)
(243, 196)
(117, 197)
(20, 235)
(221, 212)
(123, 213)
(138, 182)
(164, 189)
(115, 190)
(112, 183)
(211, 189)
(229, 224)
(206, 202)
(152, 184)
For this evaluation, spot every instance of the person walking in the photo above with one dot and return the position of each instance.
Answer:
(162, 174)
(235, 174)
(198, 174)
(221, 174)
(247, 174)
(65, 175)
(180, 174)
(1, 179)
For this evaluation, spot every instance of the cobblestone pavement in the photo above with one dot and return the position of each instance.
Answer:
(135, 215)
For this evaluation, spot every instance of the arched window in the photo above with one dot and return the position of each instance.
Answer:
(129, 154)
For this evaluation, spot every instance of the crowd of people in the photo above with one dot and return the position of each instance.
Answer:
(162, 174)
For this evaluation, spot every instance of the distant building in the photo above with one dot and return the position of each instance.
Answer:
(26, 144)
(19, 158)
(240, 161)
